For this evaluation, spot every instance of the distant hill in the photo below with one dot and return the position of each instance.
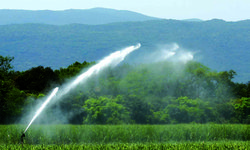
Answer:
(193, 20)
(85, 16)
(217, 44)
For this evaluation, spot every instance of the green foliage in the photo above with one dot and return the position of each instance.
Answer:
(225, 113)
(105, 110)
(11, 98)
(241, 90)
(157, 93)
(242, 109)
(72, 70)
(143, 146)
(159, 117)
(5, 65)
(185, 110)
(36, 79)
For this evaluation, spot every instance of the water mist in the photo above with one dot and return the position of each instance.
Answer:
(42, 107)
(112, 60)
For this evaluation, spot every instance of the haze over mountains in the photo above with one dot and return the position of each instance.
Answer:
(87, 16)
(55, 41)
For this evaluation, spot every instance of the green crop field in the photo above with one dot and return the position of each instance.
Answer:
(146, 146)
(179, 136)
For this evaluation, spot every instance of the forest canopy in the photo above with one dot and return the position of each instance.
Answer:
(156, 93)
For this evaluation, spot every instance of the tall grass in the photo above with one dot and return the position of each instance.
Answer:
(133, 146)
(78, 134)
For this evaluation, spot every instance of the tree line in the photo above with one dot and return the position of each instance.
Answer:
(156, 93)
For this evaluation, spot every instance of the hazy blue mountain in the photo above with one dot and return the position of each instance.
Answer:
(217, 44)
(84, 16)
(193, 20)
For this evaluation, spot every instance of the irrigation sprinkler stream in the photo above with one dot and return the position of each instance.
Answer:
(113, 59)
(39, 111)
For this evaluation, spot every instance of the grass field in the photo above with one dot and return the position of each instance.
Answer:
(131, 146)
(180, 136)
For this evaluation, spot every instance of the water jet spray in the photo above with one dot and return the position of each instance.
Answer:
(112, 60)
(40, 109)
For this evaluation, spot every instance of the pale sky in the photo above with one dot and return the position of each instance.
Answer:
(229, 10)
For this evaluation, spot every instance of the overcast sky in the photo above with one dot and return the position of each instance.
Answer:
(230, 10)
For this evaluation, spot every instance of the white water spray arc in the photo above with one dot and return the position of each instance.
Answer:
(112, 60)
(42, 107)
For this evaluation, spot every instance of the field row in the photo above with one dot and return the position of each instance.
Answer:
(78, 134)
(146, 146)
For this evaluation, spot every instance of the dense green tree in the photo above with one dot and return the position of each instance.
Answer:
(105, 110)
(11, 98)
(241, 90)
(36, 79)
(185, 110)
(167, 92)
(72, 70)
(156, 93)
(224, 86)
(242, 109)
(5, 65)
(224, 112)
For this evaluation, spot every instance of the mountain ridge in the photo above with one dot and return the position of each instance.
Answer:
(218, 44)
(92, 16)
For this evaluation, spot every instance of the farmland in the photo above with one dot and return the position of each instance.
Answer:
(179, 136)
(151, 146)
